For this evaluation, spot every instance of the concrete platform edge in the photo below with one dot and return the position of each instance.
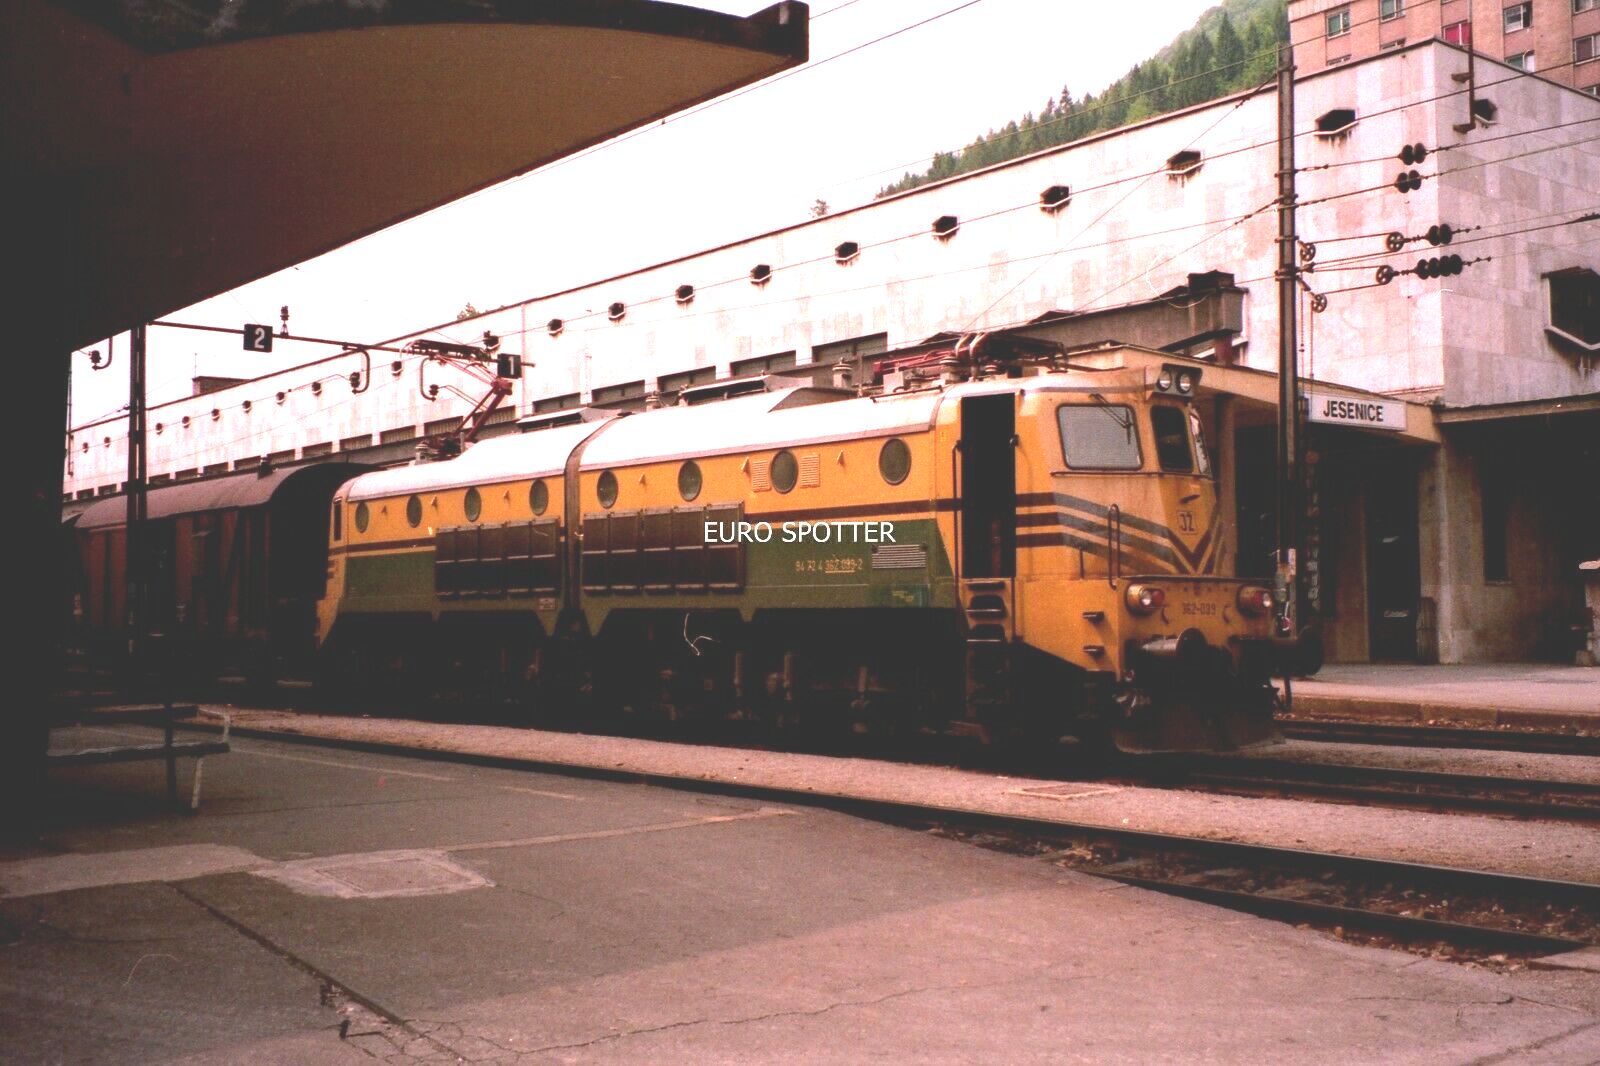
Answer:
(1421, 712)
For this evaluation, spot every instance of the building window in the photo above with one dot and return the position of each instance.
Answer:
(1054, 198)
(1184, 163)
(1584, 5)
(762, 364)
(1389, 46)
(1485, 110)
(1585, 49)
(1496, 519)
(1334, 61)
(672, 384)
(555, 403)
(1518, 17)
(855, 350)
(1459, 33)
(1390, 9)
(630, 390)
(1522, 61)
(1335, 122)
(1592, 90)
(1339, 22)
(1575, 305)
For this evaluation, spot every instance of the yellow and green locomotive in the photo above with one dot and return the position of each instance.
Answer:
(997, 542)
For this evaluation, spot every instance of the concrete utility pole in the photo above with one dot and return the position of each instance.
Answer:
(133, 553)
(1288, 376)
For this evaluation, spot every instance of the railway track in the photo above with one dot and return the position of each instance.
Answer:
(1392, 786)
(1430, 736)
(1478, 912)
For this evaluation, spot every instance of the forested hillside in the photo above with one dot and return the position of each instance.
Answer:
(1230, 47)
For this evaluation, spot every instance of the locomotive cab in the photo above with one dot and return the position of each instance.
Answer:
(1101, 544)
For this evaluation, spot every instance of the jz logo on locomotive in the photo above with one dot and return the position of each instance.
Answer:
(1185, 521)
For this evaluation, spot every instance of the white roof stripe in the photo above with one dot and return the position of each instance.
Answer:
(542, 453)
(745, 423)
(749, 424)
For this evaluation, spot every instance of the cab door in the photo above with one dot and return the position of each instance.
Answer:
(988, 486)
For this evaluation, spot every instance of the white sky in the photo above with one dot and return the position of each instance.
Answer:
(757, 163)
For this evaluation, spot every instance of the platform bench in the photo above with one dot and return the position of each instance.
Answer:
(164, 715)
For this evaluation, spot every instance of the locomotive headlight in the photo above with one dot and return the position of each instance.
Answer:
(1164, 381)
(1185, 382)
(1143, 599)
(1253, 599)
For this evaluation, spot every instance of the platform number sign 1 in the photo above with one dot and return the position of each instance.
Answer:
(257, 338)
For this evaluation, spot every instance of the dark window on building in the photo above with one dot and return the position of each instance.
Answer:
(762, 364)
(1459, 33)
(1522, 61)
(1172, 439)
(555, 326)
(1496, 520)
(1585, 49)
(1518, 17)
(555, 403)
(1390, 9)
(945, 226)
(616, 311)
(1184, 163)
(672, 384)
(760, 274)
(1485, 110)
(856, 350)
(1055, 197)
(1339, 120)
(1339, 22)
(846, 251)
(1099, 436)
(684, 295)
(628, 390)
(1575, 303)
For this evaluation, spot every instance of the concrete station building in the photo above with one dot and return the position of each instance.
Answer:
(1455, 538)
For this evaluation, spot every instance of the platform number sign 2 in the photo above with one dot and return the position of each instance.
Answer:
(257, 338)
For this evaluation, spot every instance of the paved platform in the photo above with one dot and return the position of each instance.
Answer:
(1555, 850)
(490, 915)
(1510, 695)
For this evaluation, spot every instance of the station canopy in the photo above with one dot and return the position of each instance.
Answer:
(186, 147)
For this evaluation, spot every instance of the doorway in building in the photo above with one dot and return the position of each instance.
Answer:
(1394, 568)
(988, 486)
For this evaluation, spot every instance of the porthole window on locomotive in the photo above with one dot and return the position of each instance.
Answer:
(785, 471)
(1172, 439)
(474, 505)
(539, 497)
(363, 517)
(689, 480)
(606, 489)
(894, 461)
(414, 512)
